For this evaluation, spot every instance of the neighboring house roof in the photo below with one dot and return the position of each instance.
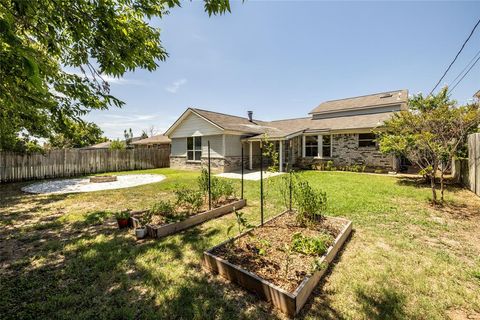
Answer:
(363, 102)
(157, 139)
(106, 145)
(477, 95)
(101, 145)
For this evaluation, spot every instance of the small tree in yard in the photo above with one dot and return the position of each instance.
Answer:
(430, 134)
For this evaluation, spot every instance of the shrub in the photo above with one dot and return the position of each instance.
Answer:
(311, 245)
(163, 207)
(311, 204)
(219, 188)
(117, 145)
(329, 166)
(189, 199)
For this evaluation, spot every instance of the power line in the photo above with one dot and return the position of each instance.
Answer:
(473, 65)
(455, 59)
(466, 67)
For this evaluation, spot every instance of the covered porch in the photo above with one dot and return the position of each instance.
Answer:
(289, 152)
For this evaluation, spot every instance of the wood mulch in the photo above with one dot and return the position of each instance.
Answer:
(271, 239)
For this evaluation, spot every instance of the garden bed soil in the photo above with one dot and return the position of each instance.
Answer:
(239, 260)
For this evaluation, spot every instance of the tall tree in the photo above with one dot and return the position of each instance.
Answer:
(77, 135)
(430, 134)
(41, 39)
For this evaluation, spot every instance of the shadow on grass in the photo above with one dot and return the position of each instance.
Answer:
(386, 304)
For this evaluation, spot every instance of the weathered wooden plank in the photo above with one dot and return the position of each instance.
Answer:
(75, 162)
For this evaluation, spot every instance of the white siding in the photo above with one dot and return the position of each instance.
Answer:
(216, 146)
(179, 146)
(193, 125)
(233, 146)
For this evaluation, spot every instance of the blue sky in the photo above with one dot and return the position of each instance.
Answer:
(282, 58)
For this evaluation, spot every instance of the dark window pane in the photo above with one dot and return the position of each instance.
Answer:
(311, 151)
(189, 155)
(198, 143)
(326, 151)
(311, 140)
(366, 140)
(189, 143)
(326, 140)
(198, 155)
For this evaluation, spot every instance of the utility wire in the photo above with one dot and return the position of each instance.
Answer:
(466, 67)
(473, 65)
(455, 59)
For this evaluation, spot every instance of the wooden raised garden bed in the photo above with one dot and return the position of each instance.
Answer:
(159, 231)
(239, 260)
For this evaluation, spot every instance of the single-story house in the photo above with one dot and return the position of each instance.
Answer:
(339, 131)
(158, 141)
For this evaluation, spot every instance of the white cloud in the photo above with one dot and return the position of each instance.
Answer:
(175, 86)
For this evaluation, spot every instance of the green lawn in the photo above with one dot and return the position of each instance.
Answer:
(62, 257)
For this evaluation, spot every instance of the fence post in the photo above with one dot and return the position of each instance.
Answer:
(209, 180)
(261, 183)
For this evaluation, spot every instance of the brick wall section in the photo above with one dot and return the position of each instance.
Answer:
(216, 164)
(345, 152)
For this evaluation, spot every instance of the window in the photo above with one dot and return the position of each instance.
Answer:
(366, 140)
(194, 148)
(326, 146)
(311, 146)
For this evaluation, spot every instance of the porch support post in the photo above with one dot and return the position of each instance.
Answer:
(250, 155)
(303, 146)
(280, 165)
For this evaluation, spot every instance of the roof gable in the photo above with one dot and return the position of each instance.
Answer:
(191, 124)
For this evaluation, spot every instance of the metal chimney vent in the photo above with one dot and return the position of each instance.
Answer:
(250, 116)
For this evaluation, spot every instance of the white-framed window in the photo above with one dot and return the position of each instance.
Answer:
(194, 148)
(366, 140)
(311, 146)
(326, 145)
(318, 146)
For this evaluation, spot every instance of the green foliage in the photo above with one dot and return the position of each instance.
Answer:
(242, 223)
(145, 218)
(220, 188)
(56, 58)
(430, 133)
(77, 135)
(271, 154)
(117, 145)
(163, 207)
(311, 245)
(288, 251)
(123, 214)
(190, 199)
(311, 204)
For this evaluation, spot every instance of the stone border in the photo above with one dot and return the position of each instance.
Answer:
(159, 231)
(289, 303)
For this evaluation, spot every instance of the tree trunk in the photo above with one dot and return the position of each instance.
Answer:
(432, 183)
(442, 185)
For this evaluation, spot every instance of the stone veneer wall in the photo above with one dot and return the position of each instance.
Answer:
(227, 164)
(345, 152)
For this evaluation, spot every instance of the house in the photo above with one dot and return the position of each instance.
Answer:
(158, 141)
(339, 131)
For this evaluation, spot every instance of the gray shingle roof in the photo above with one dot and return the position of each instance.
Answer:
(372, 100)
(157, 139)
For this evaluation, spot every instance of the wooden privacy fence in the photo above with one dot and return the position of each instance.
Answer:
(467, 171)
(77, 162)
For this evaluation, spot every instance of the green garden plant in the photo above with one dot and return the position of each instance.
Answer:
(190, 199)
(311, 204)
(311, 245)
